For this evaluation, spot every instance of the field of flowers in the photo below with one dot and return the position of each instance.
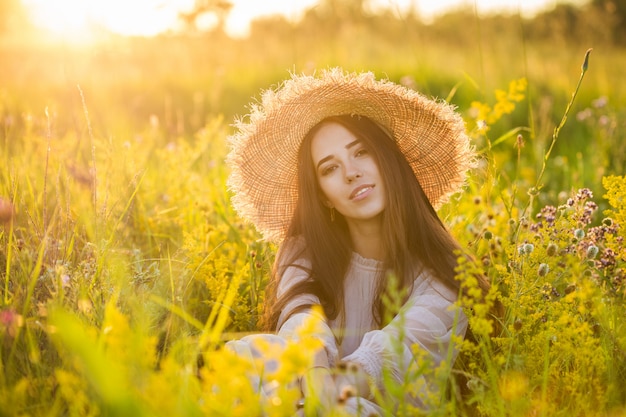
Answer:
(124, 269)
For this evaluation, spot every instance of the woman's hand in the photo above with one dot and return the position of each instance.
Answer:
(351, 380)
(324, 388)
(319, 389)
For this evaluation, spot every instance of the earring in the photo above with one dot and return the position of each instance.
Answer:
(332, 214)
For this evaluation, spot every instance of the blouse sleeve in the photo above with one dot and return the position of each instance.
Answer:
(428, 320)
(289, 322)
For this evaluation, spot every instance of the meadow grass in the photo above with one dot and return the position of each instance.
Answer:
(124, 267)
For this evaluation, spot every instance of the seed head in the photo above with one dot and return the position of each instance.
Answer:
(585, 64)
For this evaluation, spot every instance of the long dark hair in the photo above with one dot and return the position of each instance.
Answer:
(413, 234)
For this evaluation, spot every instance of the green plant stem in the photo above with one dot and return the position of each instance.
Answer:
(94, 182)
(555, 135)
(9, 260)
(8, 265)
(45, 175)
(544, 378)
(557, 130)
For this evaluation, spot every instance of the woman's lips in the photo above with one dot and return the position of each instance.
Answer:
(361, 192)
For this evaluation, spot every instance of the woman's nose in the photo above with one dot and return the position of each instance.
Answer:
(352, 173)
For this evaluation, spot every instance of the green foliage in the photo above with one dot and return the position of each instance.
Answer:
(558, 273)
(560, 281)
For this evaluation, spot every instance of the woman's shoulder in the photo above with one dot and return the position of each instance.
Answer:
(427, 284)
(293, 243)
(292, 250)
(293, 265)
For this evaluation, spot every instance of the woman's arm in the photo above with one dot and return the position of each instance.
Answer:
(428, 320)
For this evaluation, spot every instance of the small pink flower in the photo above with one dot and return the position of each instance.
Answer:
(6, 211)
(6, 317)
(10, 321)
(600, 102)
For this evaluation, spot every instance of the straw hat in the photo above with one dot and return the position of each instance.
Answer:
(264, 151)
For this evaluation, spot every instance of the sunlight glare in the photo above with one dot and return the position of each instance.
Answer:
(244, 11)
(139, 17)
(429, 10)
(64, 17)
(80, 19)
(76, 18)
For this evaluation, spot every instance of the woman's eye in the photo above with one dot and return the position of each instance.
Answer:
(361, 152)
(327, 170)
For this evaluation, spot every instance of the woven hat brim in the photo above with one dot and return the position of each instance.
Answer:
(264, 151)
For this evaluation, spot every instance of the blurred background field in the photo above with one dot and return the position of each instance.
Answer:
(183, 79)
(123, 266)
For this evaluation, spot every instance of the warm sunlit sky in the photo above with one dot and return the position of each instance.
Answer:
(148, 17)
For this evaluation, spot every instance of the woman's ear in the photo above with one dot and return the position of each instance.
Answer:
(325, 201)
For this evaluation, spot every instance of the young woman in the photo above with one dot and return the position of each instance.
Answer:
(345, 172)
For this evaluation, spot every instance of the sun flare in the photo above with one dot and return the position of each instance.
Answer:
(76, 19)
(80, 18)
(65, 17)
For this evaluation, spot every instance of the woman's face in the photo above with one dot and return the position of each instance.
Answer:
(348, 174)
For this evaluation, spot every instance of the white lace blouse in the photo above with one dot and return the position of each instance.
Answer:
(429, 319)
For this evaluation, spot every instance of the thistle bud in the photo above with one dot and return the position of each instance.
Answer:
(592, 251)
(552, 249)
(526, 248)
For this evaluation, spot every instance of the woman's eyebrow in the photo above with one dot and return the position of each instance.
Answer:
(329, 157)
(351, 144)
